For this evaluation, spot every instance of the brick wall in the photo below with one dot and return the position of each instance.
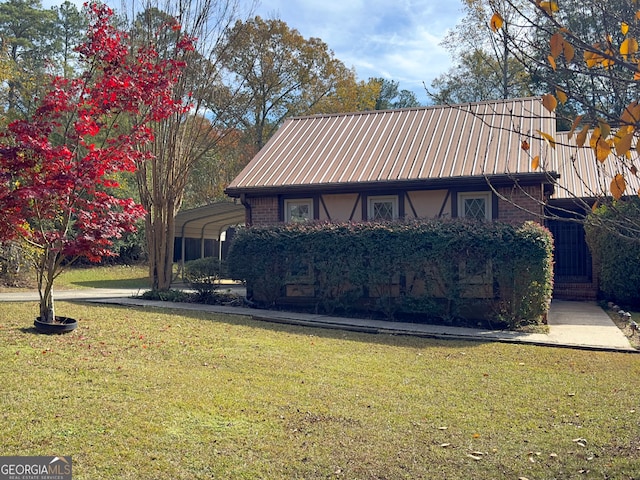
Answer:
(529, 198)
(264, 211)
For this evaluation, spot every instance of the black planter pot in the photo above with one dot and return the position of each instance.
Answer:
(61, 325)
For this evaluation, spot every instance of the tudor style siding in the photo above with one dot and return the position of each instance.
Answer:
(520, 204)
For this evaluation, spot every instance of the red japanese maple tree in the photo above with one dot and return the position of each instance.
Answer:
(58, 188)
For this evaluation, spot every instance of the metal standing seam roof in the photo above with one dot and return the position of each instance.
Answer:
(582, 175)
(427, 143)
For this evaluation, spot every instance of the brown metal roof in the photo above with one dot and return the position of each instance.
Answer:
(582, 175)
(430, 143)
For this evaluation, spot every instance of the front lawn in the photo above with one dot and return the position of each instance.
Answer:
(113, 276)
(149, 394)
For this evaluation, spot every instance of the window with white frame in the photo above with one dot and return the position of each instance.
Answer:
(476, 205)
(298, 210)
(383, 208)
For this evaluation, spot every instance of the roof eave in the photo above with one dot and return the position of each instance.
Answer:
(497, 180)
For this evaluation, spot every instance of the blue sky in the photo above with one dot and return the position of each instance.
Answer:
(398, 40)
(394, 39)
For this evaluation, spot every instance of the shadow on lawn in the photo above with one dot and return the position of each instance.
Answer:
(129, 283)
(387, 339)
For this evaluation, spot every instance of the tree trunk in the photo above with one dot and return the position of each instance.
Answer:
(46, 271)
(160, 238)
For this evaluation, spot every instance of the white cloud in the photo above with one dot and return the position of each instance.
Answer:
(395, 40)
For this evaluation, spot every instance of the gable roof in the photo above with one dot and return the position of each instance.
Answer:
(416, 144)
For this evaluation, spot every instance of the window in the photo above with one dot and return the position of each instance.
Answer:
(298, 210)
(475, 205)
(383, 208)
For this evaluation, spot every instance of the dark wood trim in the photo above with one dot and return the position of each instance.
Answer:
(413, 210)
(355, 206)
(324, 207)
(444, 204)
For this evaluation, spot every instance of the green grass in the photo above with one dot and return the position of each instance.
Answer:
(118, 276)
(150, 394)
(113, 276)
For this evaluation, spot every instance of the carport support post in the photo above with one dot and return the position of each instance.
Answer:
(182, 252)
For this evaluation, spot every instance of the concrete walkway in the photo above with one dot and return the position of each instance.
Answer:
(571, 324)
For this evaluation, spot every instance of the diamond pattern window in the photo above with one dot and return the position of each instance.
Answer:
(383, 208)
(475, 205)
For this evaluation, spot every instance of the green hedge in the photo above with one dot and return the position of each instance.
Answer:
(614, 241)
(448, 270)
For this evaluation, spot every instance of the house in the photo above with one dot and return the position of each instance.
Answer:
(443, 161)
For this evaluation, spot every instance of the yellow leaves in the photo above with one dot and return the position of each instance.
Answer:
(561, 96)
(624, 28)
(604, 142)
(631, 114)
(556, 42)
(574, 125)
(552, 62)
(535, 162)
(549, 102)
(582, 136)
(618, 186)
(623, 139)
(549, 7)
(559, 46)
(597, 57)
(602, 149)
(496, 22)
(568, 51)
(599, 144)
(629, 47)
(548, 138)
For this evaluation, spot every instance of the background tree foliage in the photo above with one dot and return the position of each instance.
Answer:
(390, 96)
(484, 65)
(277, 73)
(34, 43)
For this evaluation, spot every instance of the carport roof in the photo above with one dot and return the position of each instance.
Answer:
(209, 221)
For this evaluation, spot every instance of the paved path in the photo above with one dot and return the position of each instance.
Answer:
(571, 324)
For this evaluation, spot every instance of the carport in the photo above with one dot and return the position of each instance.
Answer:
(208, 223)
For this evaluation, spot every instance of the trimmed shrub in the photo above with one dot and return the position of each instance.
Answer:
(615, 246)
(204, 274)
(451, 271)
